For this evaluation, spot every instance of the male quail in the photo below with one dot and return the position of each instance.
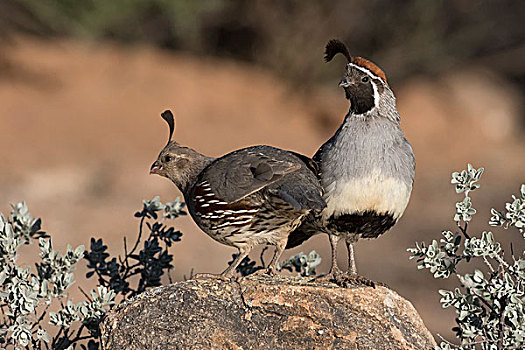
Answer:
(255, 195)
(366, 167)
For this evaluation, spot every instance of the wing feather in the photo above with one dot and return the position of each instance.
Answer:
(242, 173)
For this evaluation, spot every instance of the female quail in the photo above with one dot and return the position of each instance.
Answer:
(255, 195)
(366, 167)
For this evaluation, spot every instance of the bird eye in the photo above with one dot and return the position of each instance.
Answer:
(365, 80)
(167, 158)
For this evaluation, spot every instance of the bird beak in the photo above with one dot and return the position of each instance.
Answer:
(344, 83)
(155, 167)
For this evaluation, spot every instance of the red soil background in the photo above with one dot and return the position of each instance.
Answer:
(80, 127)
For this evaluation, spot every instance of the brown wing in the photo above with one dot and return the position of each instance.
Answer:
(241, 173)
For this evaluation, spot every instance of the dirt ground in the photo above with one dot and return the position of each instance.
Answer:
(80, 127)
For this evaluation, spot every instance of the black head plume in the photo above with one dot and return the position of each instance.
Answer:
(168, 117)
(333, 48)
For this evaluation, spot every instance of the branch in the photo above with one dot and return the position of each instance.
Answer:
(85, 294)
(501, 325)
(128, 255)
(141, 224)
(464, 230)
(488, 264)
(57, 337)
(41, 316)
(78, 337)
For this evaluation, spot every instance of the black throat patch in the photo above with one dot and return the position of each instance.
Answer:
(368, 224)
(361, 97)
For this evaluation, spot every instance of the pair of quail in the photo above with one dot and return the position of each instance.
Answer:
(357, 185)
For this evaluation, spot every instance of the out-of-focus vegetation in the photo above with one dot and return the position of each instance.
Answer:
(408, 37)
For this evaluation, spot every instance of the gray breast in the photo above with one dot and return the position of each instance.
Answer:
(363, 144)
(368, 165)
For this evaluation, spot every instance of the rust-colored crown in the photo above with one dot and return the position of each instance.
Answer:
(362, 62)
(335, 46)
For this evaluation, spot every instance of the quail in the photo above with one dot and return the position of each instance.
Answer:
(254, 195)
(366, 168)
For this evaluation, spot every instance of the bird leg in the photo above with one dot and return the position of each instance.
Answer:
(344, 279)
(279, 249)
(230, 271)
(272, 267)
(352, 275)
(352, 268)
(335, 274)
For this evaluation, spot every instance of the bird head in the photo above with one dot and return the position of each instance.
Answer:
(178, 163)
(364, 83)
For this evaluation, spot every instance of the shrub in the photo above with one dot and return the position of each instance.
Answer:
(490, 304)
(28, 296)
(304, 265)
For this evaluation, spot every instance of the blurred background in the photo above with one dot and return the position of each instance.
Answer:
(82, 84)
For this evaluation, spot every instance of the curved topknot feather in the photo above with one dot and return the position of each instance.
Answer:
(333, 48)
(168, 117)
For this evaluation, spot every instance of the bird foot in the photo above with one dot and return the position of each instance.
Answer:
(268, 272)
(332, 277)
(360, 280)
(344, 279)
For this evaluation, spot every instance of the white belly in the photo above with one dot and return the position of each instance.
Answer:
(371, 192)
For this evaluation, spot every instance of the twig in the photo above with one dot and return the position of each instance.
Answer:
(85, 294)
(491, 307)
(501, 261)
(169, 268)
(100, 277)
(78, 337)
(125, 261)
(169, 275)
(128, 255)
(42, 316)
(57, 337)
(501, 325)
(464, 230)
(141, 224)
(488, 264)
(190, 276)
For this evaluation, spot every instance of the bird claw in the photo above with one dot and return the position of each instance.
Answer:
(349, 279)
(268, 272)
(344, 279)
(361, 280)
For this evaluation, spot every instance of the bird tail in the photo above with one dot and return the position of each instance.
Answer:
(298, 237)
(308, 228)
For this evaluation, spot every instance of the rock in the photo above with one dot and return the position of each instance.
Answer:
(265, 313)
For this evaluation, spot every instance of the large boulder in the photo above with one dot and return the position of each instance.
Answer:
(265, 313)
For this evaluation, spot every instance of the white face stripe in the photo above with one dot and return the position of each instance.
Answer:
(366, 71)
(373, 76)
(376, 94)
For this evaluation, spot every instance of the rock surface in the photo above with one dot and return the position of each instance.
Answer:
(265, 313)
